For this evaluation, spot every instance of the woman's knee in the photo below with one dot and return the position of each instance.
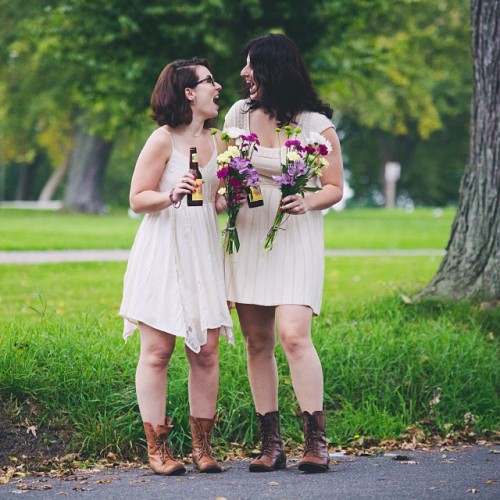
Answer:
(259, 344)
(156, 356)
(295, 342)
(207, 358)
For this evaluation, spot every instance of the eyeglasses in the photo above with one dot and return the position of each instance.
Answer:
(207, 79)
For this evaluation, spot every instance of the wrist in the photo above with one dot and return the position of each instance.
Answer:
(221, 205)
(175, 204)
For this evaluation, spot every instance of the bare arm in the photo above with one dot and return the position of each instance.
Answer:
(144, 194)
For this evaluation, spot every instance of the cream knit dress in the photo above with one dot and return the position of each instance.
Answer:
(293, 271)
(174, 280)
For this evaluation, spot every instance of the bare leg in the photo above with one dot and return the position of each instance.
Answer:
(294, 331)
(204, 377)
(151, 374)
(257, 324)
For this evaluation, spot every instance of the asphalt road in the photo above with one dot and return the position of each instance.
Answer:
(455, 473)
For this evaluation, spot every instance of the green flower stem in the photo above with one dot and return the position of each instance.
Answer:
(273, 232)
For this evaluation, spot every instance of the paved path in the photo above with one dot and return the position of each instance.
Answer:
(454, 474)
(53, 256)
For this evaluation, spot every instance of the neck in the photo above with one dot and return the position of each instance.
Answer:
(195, 128)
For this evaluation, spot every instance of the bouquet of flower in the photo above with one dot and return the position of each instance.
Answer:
(237, 171)
(302, 162)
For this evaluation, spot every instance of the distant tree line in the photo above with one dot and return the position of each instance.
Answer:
(76, 77)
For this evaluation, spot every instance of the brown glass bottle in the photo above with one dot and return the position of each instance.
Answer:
(195, 199)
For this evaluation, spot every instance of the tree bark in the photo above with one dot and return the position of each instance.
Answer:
(54, 181)
(87, 163)
(471, 267)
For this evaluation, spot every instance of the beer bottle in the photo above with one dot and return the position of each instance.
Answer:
(195, 199)
(254, 196)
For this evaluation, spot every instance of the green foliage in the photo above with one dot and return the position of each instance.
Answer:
(396, 72)
(383, 360)
(402, 87)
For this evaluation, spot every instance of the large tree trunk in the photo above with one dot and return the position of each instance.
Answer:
(471, 267)
(49, 189)
(87, 163)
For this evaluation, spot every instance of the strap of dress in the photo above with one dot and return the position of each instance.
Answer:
(173, 145)
(240, 117)
(171, 138)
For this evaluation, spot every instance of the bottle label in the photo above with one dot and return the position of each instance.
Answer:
(194, 157)
(198, 192)
(255, 193)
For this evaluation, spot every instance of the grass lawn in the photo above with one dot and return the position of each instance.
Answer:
(63, 363)
(367, 228)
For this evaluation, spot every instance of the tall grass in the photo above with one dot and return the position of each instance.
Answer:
(63, 362)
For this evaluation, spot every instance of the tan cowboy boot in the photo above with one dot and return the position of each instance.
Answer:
(160, 456)
(316, 457)
(201, 433)
(272, 456)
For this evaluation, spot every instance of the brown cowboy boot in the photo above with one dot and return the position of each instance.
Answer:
(201, 432)
(160, 456)
(272, 456)
(316, 457)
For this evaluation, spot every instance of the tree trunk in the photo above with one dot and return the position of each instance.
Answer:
(471, 267)
(87, 164)
(53, 182)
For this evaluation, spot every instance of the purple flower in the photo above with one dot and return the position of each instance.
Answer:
(293, 143)
(323, 149)
(252, 138)
(222, 173)
(253, 177)
(284, 179)
(297, 169)
(239, 163)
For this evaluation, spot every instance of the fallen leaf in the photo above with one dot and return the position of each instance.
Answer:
(31, 429)
(491, 481)
(108, 480)
(406, 299)
(473, 490)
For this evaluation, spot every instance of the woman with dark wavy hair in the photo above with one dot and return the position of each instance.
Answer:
(174, 283)
(281, 290)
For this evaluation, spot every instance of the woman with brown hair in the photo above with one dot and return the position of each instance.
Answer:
(281, 290)
(174, 284)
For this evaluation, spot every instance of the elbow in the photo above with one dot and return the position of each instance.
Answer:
(134, 205)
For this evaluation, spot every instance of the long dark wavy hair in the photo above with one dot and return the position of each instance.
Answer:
(168, 101)
(284, 84)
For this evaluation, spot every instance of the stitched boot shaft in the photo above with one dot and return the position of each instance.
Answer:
(272, 456)
(159, 453)
(316, 457)
(201, 432)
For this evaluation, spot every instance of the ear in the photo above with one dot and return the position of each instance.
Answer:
(190, 94)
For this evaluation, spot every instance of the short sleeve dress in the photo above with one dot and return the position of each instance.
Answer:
(174, 280)
(293, 271)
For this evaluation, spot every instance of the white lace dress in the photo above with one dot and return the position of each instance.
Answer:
(293, 271)
(174, 280)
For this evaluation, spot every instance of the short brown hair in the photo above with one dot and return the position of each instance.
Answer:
(168, 101)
